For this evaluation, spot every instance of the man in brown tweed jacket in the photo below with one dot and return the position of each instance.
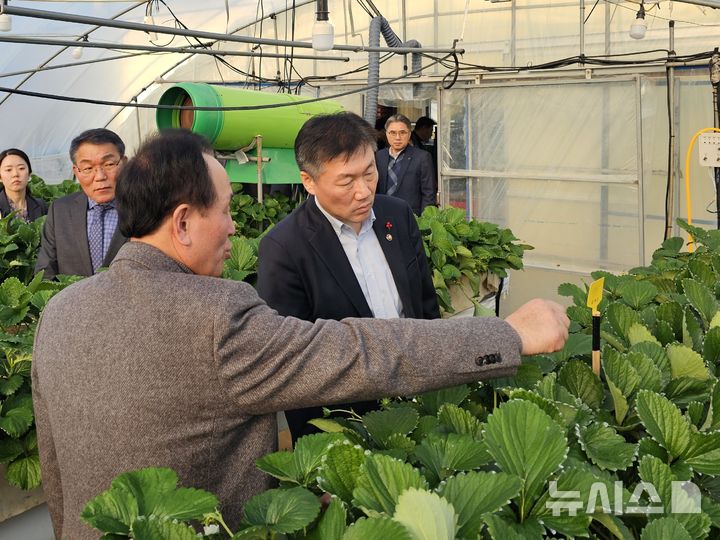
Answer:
(157, 362)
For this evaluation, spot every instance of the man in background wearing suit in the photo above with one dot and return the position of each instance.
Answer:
(80, 234)
(158, 362)
(405, 171)
(421, 137)
(344, 252)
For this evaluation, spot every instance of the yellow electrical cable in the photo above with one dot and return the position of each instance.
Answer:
(691, 247)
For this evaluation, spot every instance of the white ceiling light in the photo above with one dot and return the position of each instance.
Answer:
(323, 33)
(77, 52)
(5, 20)
(639, 26)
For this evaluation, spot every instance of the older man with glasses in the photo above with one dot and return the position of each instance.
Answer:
(81, 234)
(405, 171)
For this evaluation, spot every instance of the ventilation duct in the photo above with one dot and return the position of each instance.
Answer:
(380, 25)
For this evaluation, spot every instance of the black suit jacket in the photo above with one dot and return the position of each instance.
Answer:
(36, 208)
(416, 183)
(64, 244)
(303, 271)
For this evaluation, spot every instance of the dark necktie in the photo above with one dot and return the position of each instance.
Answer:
(393, 168)
(96, 235)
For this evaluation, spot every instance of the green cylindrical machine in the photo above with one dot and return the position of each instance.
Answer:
(231, 130)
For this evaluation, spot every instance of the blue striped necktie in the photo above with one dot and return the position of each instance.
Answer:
(96, 235)
(393, 167)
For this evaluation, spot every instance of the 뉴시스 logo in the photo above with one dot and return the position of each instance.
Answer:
(684, 499)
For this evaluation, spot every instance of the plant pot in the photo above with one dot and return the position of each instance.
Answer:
(461, 293)
(14, 501)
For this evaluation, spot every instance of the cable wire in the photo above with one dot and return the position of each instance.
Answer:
(136, 105)
(688, 202)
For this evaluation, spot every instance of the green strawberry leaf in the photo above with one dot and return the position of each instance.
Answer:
(664, 421)
(526, 443)
(381, 481)
(282, 510)
(426, 515)
(605, 447)
(340, 468)
(476, 494)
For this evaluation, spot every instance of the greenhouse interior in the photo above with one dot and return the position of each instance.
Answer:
(198, 354)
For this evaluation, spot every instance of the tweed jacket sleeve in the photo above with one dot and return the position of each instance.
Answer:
(192, 368)
(271, 363)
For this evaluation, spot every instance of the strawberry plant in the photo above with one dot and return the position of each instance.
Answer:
(457, 248)
(252, 217)
(22, 297)
(242, 264)
(555, 451)
(50, 192)
(19, 242)
(20, 307)
(148, 504)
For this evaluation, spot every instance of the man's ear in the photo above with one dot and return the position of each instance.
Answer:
(180, 224)
(308, 182)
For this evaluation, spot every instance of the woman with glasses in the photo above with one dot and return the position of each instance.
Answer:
(15, 193)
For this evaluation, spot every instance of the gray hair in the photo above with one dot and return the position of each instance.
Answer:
(96, 136)
(398, 118)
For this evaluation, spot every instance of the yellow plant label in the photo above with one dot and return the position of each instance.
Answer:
(595, 294)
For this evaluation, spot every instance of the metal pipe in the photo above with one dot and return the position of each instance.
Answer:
(97, 21)
(259, 139)
(582, 27)
(299, 4)
(513, 32)
(641, 170)
(73, 64)
(277, 50)
(671, 204)
(46, 62)
(182, 50)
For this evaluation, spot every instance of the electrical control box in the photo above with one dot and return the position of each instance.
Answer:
(709, 149)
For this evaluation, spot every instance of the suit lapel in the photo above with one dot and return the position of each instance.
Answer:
(381, 162)
(78, 222)
(115, 244)
(32, 207)
(328, 249)
(393, 255)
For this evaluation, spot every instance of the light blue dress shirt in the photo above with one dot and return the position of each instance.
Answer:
(369, 265)
(110, 221)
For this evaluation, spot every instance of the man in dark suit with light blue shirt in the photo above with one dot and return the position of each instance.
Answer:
(80, 234)
(405, 171)
(344, 252)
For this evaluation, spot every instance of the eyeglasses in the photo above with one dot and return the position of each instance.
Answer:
(401, 133)
(108, 167)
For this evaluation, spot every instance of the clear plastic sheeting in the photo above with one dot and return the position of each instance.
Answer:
(558, 162)
(506, 36)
